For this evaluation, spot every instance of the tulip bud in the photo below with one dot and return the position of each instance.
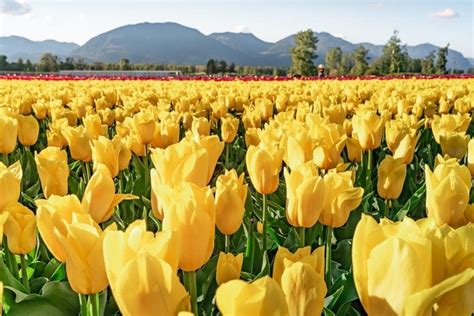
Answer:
(231, 193)
(454, 144)
(331, 140)
(201, 126)
(10, 183)
(368, 127)
(166, 133)
(79, 142)
(104, 152)
(228, 267)
(229, 128)
(354, 151)
(304, 196)
(442, 125)
(124, 153)
(262, 297)
(299, 149)
(53, 171)
(94, 126)
(99, 198)
(28, 130)
(144, 124)
(264, 167)
(251, 137)
(391, 176)
(20, 229)
(8, 134)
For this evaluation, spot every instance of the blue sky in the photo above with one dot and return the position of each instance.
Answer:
(419, 21)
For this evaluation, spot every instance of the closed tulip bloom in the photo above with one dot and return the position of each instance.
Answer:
(391, 175)
(79, 142)
(166, 133)
(53, 215)
(144, 124)
(264, 167)
(331, 139)
(94, 126)
(104, 152)
(201, 126)
(470, 156)
(228, 267)
(368, 126)
(229, 128)
(262, 297)
(304, 289)
(214, 148)
(10, 184)
(28, 130)
(454, 144)
(299, 149)
(189, 210)
(99, 198)
(53, 171)
(447, 192)
(156, 288)
(3, 219)
(251, 137)
(304, 196)
(401, 140)
(231, 193)
(84, 257)
(124, 152)
(20, 229)
(341, 197)
(445, 123)
(284, 254)
(354, 151)
(8, 134)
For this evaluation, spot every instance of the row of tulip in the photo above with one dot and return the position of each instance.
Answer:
(323, 194)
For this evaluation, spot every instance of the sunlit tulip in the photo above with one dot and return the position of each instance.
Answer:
(341, 197)
(94, 126)
(156, 288)
(79, 142)
(299, 149)
(228, 267)
(3, 219)
(251, 137)
(104, 152)
(304, 196)
(166, 133)
(454, 144)
(20, 229)
(264, 167)
(354, 151)
(331, 139)
(368, 127)
(447, 192)
(53, 171)
(470, 156)
(401, 140)
(124, 152)
(8, 134)
(213, 147)
(391, 175)
(99, 198)
(284, 254)
(189, 210)
(28, 130)
(445, 123)
(201, 126)
(144, 124)
(10, 183)
(262, 297)
(231, 193)
(229, 128)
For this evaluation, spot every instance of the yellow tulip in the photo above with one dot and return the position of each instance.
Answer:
(470, 156)
(454, 144)
(331, 139)
(28, 130)
(99, 198)
(104, 152)
(79, 142)
(124, 153)
(214, 148)
(229, 128)
(304, 196)
(201, 126)
(302, 254)
(156, 288)
(340, 198)
(447, 192)
(10, 184)
(401, 140)
(299, 149)
(53, 215)
(189, 210)
(94, 126)
(354, 151)
(304, 289)
(166, 133)
(20, 229)
(228, 267)
(262, 297)
(391, 175)
(368, 127)
(264, 167)
(53, 171)
(251, 137)
(231, 193)
(85, 268)
(144, 124)
(445, 123)
(8, 134)
(3, 219)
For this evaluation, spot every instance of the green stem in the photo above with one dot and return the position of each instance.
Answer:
(250, 244)
(301, 233)
(368, 176)
(95, 304)
(5, 159)
(24, 273)
(84, 305)
(10, 259)
(147, 171)
(227, 150)
(227, 243)
(190, 284)
(87, 174)
(264, 229)
(145, 216)
(388, 205)
(328, 256)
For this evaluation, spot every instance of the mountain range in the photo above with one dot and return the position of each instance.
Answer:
(172, 43)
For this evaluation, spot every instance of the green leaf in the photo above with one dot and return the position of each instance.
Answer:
(417, 197)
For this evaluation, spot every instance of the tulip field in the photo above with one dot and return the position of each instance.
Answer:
(237, 197)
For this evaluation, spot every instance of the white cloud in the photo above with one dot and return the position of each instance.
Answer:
(14, 7)
(241, 29)
(447, 13)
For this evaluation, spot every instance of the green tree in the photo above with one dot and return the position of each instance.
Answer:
(222, 66)
(303, 53)
(29, 66)
(211, 67)
(346, 64)
(3, 62)
(48, 63)
(442, 59)
(392, 55)
(333, 60)
(360, 58)
(427, 64)
(124, 64)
